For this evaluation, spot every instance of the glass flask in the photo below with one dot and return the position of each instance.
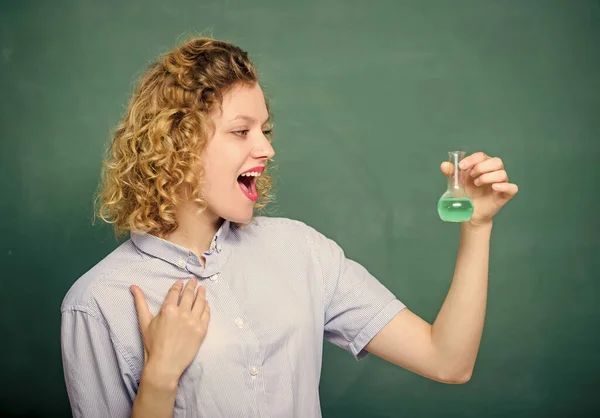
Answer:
(455, 205)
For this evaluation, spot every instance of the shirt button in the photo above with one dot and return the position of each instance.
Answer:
(215, 278)
(253, 370)
(181, 262)
(239, 322)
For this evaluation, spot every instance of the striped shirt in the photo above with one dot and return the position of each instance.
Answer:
(276, 289)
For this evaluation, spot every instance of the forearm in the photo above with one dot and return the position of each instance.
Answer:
(156, 395)
(456, 332)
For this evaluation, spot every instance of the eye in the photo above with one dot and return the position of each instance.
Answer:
(268, 133)
(241, 133)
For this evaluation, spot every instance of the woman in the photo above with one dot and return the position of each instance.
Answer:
(229, 311)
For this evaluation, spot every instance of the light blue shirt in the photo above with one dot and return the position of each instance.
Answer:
(276, 288)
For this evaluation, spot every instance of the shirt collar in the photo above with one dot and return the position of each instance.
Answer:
(184, 259)
(216, 245)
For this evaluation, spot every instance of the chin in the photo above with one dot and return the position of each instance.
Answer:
(239, 216)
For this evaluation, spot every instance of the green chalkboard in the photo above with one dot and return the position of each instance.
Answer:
(368, 97)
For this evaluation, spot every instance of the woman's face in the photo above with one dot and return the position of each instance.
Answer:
(239, 145)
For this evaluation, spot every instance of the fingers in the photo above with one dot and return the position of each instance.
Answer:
(205, 317)
(200, 302)
(488, 170)
(188, 294)
(472, 160)
(447, 168)
(492, 164)
(173, 294)
(141, 306)
(477, 161)
(508, 188)
(499, 176)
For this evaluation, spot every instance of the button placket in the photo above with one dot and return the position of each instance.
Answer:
(237, 316)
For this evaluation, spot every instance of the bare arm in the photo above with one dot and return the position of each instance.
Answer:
(447, 350)
(156, 395)
(457, 330)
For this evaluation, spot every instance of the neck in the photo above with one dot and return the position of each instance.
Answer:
(196, 230)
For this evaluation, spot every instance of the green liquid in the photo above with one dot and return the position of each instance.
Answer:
(452, 209)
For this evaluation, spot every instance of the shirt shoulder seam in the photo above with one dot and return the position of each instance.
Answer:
(93, 284)
(86, 310)
(315, 257)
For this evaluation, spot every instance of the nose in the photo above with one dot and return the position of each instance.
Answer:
(262, 150)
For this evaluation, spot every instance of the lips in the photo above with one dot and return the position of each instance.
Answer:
(247, 182)
(257, 169)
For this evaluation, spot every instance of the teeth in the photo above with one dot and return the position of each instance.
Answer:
(251, 174)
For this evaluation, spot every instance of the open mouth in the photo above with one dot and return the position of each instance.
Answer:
(247, 182)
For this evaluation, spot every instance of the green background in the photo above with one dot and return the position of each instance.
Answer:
(368, 97)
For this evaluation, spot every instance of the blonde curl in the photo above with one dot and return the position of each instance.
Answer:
(153, 161)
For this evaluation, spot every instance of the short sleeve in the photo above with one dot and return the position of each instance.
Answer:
(99, 380)
(357, 305)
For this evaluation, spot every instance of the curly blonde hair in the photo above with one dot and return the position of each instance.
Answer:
(153, 162)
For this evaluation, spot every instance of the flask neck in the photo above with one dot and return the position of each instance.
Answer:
(456, 179)
(456, 182)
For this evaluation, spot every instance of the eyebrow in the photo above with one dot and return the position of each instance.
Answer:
(250, 119)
